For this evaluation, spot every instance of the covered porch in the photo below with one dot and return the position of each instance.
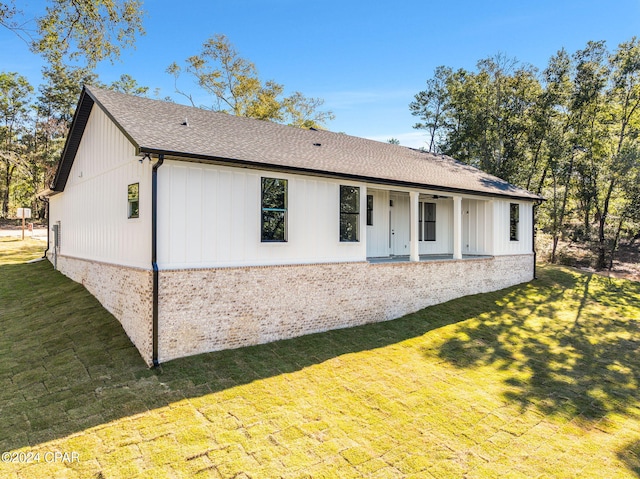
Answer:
(427, 226)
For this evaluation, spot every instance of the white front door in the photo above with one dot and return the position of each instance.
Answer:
(399, 223)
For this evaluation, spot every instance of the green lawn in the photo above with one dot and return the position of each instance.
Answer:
(538, 380)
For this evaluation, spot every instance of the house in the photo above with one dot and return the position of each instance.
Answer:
(201, 231)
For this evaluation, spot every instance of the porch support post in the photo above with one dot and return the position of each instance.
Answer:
(457, 227)
(414, 251)
(495, 229)
(363, 219)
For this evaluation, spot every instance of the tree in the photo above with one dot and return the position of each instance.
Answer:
(623, 121)
(431, 106)
(15, 95)
(61, 90)
(127, 84)
(482, 118)
(552, 120)
(235, 88)
(587, 109)
(9, 15)
(304, 112)
(85, 31)
(73, 36)
(571, 135)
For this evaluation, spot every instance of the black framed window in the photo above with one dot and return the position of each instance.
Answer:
(349, 213)
(514, 221)
(133, 200)
(420, 227)
(426, 221)
(429, 221)
(369, 210)
(274, 210)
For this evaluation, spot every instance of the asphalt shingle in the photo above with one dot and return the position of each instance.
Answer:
(184, 131)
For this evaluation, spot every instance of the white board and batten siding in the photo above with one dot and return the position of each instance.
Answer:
(210, 216)
(502, 244)
(378, 233)
(485, 227)
(93, 208)
(476, 227)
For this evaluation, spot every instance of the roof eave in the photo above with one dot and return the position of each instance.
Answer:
(46, 193)
(182, 156)
(72, 143)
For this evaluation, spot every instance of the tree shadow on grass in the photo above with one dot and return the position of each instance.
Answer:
(570, 340)
(66, 364)
(630, 455)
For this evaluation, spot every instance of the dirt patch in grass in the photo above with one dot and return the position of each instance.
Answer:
(626, 264)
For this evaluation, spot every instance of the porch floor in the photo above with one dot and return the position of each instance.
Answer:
(424, 257)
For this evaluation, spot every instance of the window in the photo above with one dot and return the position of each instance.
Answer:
(429, 221)
(426, 221)
(420, 222)
(514, 220)
(274, 210)
(369, 210)
(349, 213)
(56, 236)
(133, 198)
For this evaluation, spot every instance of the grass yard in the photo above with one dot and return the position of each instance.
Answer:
(539, 380)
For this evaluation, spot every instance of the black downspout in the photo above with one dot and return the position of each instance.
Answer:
(533, 239)
(44, 255)
(154, 255)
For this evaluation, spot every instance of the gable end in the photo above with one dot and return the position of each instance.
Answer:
(76, 132)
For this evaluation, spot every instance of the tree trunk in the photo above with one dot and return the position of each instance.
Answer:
(616, 239)
(542, 179)
(559, 227)
(533, 169)
(554, 249)
(602, 222)
(7, 183)
(555, 219)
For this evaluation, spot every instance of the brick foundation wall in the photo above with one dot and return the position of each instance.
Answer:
(213, 309)
(125, 292)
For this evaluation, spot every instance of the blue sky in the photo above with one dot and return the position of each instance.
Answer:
(366, 59)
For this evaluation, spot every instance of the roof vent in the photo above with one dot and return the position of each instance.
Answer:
(317, 144)
(312, 128)
(185, 122)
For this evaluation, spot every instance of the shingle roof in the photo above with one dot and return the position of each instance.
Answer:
(155, 126)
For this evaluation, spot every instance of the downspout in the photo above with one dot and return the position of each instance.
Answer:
(533, 237)
(44, 255)
(154, 255)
